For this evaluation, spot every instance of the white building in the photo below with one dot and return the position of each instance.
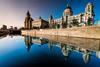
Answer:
(70, 20)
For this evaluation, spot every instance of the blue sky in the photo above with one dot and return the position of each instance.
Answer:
(13, 12)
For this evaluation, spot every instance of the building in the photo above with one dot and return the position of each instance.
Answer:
(67, 20)
(11, 28)
(40, 24)
(35, 24)
(15, 28)
(4, 27)
(28, 21)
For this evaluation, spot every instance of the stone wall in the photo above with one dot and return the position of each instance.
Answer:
(86, 32)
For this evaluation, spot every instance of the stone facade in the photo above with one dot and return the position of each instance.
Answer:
(28, 21)
(40, 24)
(35, 24)
(70, 20)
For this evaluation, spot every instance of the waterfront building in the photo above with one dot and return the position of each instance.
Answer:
(11, 28)
(15, 28)
(35, 24)
(67, 20)
(51, 21)
(28, 21)
(40, 24)
(4, 27)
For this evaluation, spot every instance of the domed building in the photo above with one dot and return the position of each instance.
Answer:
(68, 11)
(69, 20)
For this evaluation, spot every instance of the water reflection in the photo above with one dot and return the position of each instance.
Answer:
(28, 42)
(86, 56)
(66, 49)
(11, 35)
(39, 50)
(3, 36)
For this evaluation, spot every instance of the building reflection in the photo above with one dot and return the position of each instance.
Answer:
(3, 36)
(28, 42)
(66, 49)
(50, 44)
(98, 52)
(86, 56)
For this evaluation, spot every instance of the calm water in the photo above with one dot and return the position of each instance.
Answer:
(26, 51)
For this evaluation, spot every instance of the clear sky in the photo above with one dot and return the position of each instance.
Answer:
(13, 12)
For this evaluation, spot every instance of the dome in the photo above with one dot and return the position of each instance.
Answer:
(68, 11)
(90, 3)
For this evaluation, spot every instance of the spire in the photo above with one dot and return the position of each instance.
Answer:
(51, 17)
(68, 5)
(28, 13)
(68, 11)
(40, 17)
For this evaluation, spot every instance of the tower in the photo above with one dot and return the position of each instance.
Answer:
(50, 20)
(89, 13)
(28, 42)
(89, 9)
(28, 21)
(62, 21)
(66, 14)
(68, 11)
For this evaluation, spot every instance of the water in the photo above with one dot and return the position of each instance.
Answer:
(18, 51)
